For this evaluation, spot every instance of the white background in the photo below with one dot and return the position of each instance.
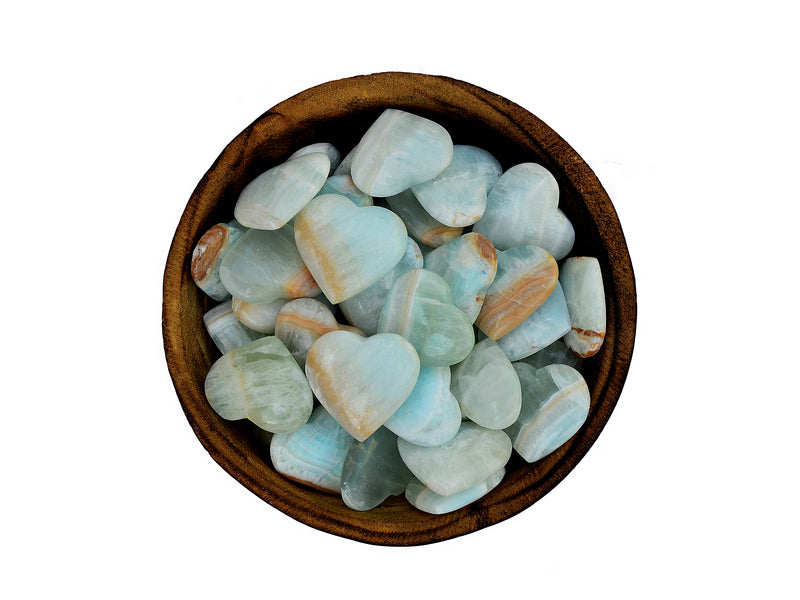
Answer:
(111, 113)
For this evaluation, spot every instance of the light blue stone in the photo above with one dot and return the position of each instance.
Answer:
(547, 324)
(583, 288)
(314, 454)
(364, 309)
(420, 308)
(226, 331)
(457, 195)
(302, 322)
(343, 185)
(430, 416)
(555, 403)
(346, 164)
(468, 264)
(399, 150)
(329, 150)
(419, 223)
(207, 257)
(426, 500)
(373, 471)
(258, 317)
(556, 353)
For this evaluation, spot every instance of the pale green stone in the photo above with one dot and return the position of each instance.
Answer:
(373, 471)
(426, 500)
(463, 462)
(274, 197)
(556, 353)
(226, 331)
(555, 403)
(329, 150)
(302, 322)
(457, 195)
(419, 223)
(343, 185)
(582, 280)
(487, 387)
(420, 308)
(207, 257)
(399, 150)
(258, 317)
(314, 454)
(261, 382)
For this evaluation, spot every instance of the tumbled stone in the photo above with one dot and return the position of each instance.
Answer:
(526, 276)
(348, 248)
(399, 150)
(226, 331)
(364, 309)
(426, 500)
(314, 454)
(548, 323)
(300, 323)
(457, 195)
(582, 281)
(258, 317)
(420, 308)
(263, 266)
(419, 223)
(468, 264)
(346, 164)
(260, 381)
(486, 387)
(430, 416)
(373, 471)
(343, 186)
(207, 257)
(361, 381)
(556, 353)
(463, 462)
(356, 330)
(329, 150)
(522, 210)
(277, 195)
(555, 403)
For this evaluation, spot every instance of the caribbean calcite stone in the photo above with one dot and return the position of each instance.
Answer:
(556, 353)
(274, 197)
(300, 323)
(329, 150)
(361, 381)
(348, 248)
(426, 500)
(457, 195)
(373, 471)
(468, 264)
(258, 317)
(207, 257)
(364, 309)
(343, 186)
(419, 223)
(346, 164)
(526, 276)
(582, 281)
(469, 458)
(420, 308)
(260, 381)
(522, 210)
(226, 331)
(314, 454)
(555, 403)
(263, 266)
(399, 150)
(356, 330)
(547, 324)
(487, 387)
(430, 416)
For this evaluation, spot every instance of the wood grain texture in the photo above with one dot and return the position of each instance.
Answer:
(340, 112)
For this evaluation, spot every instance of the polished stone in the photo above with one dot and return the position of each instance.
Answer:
(226, 331)
(329, 150)
(583, 288)
(419, 223)
(258, 317)
(426, 500)
(300, 323)
(556, 353)
(346, 164)
(343, 186)
(207, 257)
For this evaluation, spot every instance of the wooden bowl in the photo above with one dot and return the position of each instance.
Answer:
(340, 112)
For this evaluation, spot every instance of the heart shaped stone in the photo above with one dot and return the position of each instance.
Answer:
(419, 223)
(420, 308)
(207, 257)
(583, 289)
(302, 322)
(226, 331)
(348, 248)
(522, 210)
(361, 381)
(258, 317)
(329, 150)
(426, 500)
(343, 186)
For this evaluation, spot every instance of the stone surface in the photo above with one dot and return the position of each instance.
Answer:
(419, 223)
(526, 276)
(522, 210)
(463, 462)
(486, 387)
(426, 500)
(430, 416)
(277, 195)
(547, 324)
(261, 382)
(314, 454)
(207, 257)
(348, 248)
(263, 266)
(457, 195)
(373, 471)
(556, 353)
(329, 150)
(361, 381)
(555, 403)
(343, 186)
(582, 281)
(468, 264)
(346, 164)
(420, 308)
(399, 150)
(302, 322)
(258, 317)
(226, 331)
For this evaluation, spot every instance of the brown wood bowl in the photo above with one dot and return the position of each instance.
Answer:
(340, 112)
